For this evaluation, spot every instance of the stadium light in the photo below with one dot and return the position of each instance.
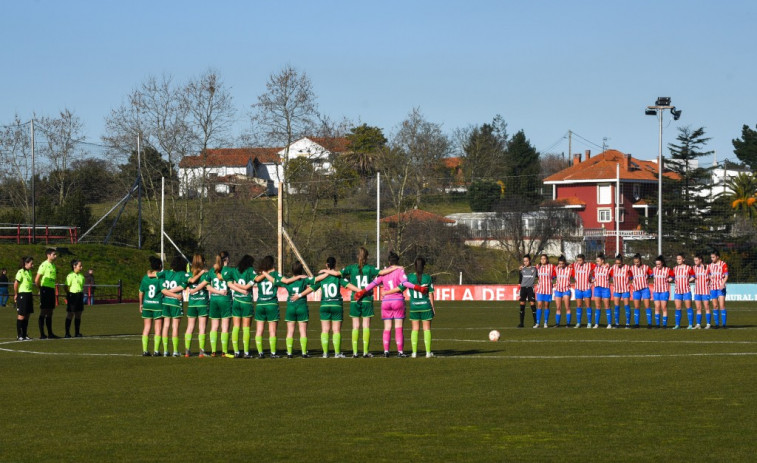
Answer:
(660, 106)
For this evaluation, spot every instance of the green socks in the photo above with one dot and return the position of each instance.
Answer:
(165, 343)
(156, 343)
(366, 339)
(175, 342)
(355, 335)
(337, 340)
(213, 340)
(414, 340)
(187, 340)
(235, 338)
(246, 338)
(272, 344)
(259, 343)
(304, 345)
(290, 345)
(427, 340)
(145, 341)
(202, 341)
(225, 342)
(325, 342)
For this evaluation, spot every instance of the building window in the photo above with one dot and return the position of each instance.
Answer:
(604, 194)
(636, 191)
(621, 214)
(604, 215)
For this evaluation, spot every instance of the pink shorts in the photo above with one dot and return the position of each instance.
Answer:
(393, 309)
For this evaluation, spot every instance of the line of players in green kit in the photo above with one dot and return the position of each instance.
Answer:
(223, 295)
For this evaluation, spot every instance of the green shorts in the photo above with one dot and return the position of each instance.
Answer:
(422, 315)
(194, 311)
(361, 309)
(172, 311)
(243, 309)
(334, 313)
(297, 313)
(267, 312)
(152, 314)
(219, 308)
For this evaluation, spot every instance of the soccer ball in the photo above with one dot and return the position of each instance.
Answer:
(494, 335)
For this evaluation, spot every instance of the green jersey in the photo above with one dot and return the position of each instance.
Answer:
(200, 298)
(49, 273)
(266, 291)
(243, 279)
(293, 288)
(219, 284)
(360, 279)
(330, 294)
(75, 282)
(151, 296)
(173, 280)
(25, 280)
(419, 300)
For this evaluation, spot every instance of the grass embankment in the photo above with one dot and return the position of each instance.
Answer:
(110, 263)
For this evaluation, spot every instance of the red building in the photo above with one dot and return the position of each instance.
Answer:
(590, 187)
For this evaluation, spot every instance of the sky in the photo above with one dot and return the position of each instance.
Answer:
(546, 66)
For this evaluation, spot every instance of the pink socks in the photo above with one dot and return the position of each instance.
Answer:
(387, 339)
(399, 337)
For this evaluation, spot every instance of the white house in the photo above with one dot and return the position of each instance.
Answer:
(225, 168)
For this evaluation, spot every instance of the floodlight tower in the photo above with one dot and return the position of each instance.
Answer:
(657, 109)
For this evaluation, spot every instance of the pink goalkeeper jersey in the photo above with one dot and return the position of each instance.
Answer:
(388, 282)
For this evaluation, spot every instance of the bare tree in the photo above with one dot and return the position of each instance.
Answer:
(15, 154)
(210, 112)
(58, 148)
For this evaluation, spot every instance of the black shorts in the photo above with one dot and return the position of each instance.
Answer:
(527, 294)
(24, 304)
(46, 298)
(75, 302)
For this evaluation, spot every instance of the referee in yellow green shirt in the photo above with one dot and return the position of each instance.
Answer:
(45, 281)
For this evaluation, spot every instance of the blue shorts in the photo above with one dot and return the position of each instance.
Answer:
(583, 294)
(641, 294)
(682, 297)
(562, 294)
(543, 297)
(701, 297)
(625, 295)
(663, 296)
(716, 293)
(602, 293)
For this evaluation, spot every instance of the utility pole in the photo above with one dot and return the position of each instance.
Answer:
(570, 145)
(139, 194)
(34, 207)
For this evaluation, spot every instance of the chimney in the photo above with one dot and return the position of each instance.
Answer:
(588, 154)
(576, 158)
(627, 162)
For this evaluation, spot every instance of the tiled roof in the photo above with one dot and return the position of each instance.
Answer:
(571, 201)
(603, 166)
(333, 144)
(231, 157)
(452, 163)
(418, 216)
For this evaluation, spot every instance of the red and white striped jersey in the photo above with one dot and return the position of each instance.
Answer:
(562, 278)
(621, 278)
(661, 276)
(702, 275)
(582, 273)
(718, 271)
(546, 274)
(682, 274)
(640, 275)
(602, 276)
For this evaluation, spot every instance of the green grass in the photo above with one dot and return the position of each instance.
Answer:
(537, 395)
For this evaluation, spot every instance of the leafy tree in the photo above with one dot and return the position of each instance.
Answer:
(483, 195)
(745, 148)
(743, 194)
(153, 168)
(366, 145)
(485, 151)
(524, 168)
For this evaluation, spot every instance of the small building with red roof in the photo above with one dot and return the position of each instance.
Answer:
(590, 187)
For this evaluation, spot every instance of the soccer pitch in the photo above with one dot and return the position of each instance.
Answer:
(536, 395)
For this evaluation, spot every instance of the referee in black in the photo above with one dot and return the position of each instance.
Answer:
(526, 278)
